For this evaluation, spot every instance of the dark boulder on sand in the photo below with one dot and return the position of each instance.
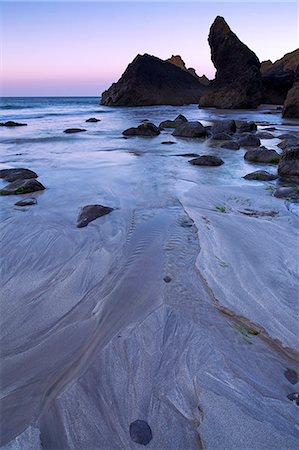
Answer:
(237, 84)
(140, 432)
(11, 123)
(190, 130)
(22, 187)
(10, 175)
(262, 155)
(289, 163)
(150, 81)
(206, 160)
(91, 212)
(146, 129)
(260, 175)
(74, 130)
(173, 123)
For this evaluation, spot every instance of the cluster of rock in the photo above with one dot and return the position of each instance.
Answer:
(233, 134)
(20, 181)
(23, 181)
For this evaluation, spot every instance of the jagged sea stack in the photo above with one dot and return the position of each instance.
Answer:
(237, 84)
(150, 81)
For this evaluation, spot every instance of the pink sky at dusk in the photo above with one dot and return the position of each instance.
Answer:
(80, 48)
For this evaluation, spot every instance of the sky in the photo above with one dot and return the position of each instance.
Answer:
(78, 48)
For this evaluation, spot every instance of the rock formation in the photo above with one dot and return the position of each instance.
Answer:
(237, 84)
(150, 81)
(278, 78)
(291, 104)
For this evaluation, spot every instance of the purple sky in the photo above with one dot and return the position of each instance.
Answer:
(79, 48)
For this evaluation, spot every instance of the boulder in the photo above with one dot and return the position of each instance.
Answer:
(264, 135)
(190, 130)
(289, 163)
(150, 81)
(230, 145)
(291, 104)
(22, 187)
(74, 130)
(245, 127)
(10, 175)
(237, 84)
(173, 123)
(288, 143)
(146, 129)
(223, 126)
(140, 432)
(207, 160)
(221, 137)
(260, 175)
(93, 120)
(262, 155)
(250, 140)
(11, 123)
(91, 212)
(278, 78)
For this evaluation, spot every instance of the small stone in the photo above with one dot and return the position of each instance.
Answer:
(74, 130)
(27, 202)
(93, 120)
(168, 142)
(11, 123)
(140, 432)
(291, 375)
(294, 396)
(207, 160)
(287, 192)
(167, 279)
(188, 155)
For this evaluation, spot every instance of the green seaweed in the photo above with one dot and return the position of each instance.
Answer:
(221, 209)
(246, 332)
(221, 262)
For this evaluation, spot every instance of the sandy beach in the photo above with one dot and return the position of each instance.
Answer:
(179, 307)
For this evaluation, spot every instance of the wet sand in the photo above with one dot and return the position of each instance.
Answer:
(93, 338)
